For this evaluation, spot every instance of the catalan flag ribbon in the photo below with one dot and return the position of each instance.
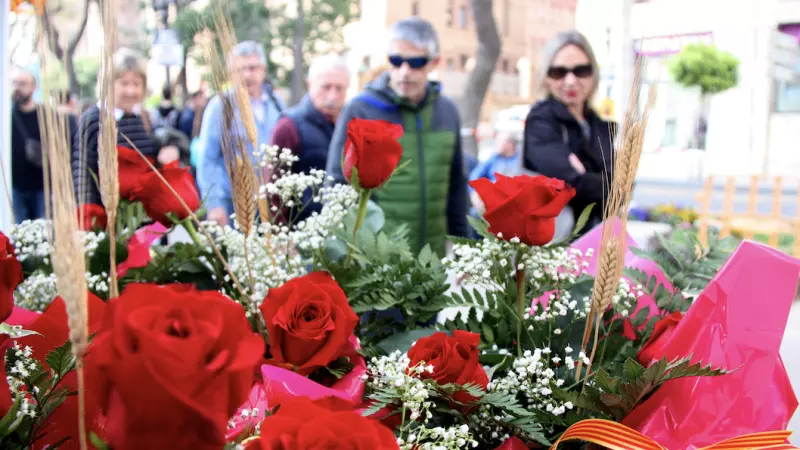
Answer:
(616, 436)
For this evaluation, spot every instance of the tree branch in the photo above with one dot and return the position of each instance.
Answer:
(51, 33)
(75, 38)
(489, 47)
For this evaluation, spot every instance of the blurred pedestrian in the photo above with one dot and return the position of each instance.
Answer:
(194, 108)
(430, 194)
(130, 82)
(505, 160)
(166, 114)
(307, 128)
(564, 137)
(67, 102)
(250, 62)
(27, 180)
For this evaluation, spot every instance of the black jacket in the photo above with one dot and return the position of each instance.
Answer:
(129, 125)
(552, 133)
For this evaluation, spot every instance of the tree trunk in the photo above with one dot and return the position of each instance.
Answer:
(489, 47)
(181, 81)
(297, 73)
(66, 54)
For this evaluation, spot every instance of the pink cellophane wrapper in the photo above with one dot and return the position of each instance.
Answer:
(279, 384)
(139, 247)
(736, 323)
(591, 240)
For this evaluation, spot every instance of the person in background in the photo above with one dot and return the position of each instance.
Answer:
(430, 194)
(250, 61)
(307, 128)
(194, 108)
(166, 115)
(27, 180)
(67, 102)
(505, 161)
(564, 137)
(130, 81)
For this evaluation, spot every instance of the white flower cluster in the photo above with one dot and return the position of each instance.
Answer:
(271, 260)
(30, 239)
(476, 260)
(291, 186)
(625, 299)
(24, 363)
(36, 292)
(337, 201)
(392, 373)
(547, 265)
(534, 376)
(91, 240)
(438, 438)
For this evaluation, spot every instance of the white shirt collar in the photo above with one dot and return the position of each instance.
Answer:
(118, 113)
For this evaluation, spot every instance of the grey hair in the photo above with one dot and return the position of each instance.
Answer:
(129, 60)
(324, 63)
(249, 48)
(553, 46)
(418, 32)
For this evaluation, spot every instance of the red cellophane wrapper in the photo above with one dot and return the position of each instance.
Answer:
(736, 323)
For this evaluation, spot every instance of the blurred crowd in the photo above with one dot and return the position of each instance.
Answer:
(562, 137)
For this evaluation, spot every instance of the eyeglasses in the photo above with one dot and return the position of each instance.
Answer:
(559, 72)
(415, 62)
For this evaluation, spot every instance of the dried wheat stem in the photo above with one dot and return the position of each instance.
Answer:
(243, 180)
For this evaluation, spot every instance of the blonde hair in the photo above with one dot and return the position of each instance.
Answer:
(127, 60)
(553, 46)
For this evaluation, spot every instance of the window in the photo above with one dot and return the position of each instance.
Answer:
(462, 17)
(464, 60)
(414, 8)
(449, 15)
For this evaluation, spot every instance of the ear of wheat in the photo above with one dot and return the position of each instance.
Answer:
(69, 265)
(107, 141)
(612, 247)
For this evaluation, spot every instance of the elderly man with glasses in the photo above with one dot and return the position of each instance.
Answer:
(250, 62)
(430, 194)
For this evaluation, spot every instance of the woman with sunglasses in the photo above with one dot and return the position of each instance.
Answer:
(564, 137)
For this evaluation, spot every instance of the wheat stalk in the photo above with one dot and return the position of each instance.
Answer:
(612, 247)
(108, 163)
(69, 265)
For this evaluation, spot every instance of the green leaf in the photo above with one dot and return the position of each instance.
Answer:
(61, 359)
(481, 226)
(583, 219)
(487, 334)
(98, 442)
(340, 367)
(9, 330)
(632, 370)
(606, 382)
(403, 341)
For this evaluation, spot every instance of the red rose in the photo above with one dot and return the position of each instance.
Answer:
(173, 365)
(131, 170)
(308, 321)
(158, 199)
(523, 206)
(302, 424)
(372, 148)
(10, 276)
(454, 360)
(54, 332)
(653, 349)
(92, 217)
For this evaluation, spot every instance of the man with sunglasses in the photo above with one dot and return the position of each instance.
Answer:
(430, 194)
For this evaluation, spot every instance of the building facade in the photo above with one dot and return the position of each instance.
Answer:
(523, 25)
(750, 129)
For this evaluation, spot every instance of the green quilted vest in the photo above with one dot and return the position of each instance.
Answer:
(417, 194)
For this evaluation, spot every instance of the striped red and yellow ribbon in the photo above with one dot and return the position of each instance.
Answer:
(616, 436)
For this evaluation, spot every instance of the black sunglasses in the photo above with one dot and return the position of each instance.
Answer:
(559, 72)
(415, 62)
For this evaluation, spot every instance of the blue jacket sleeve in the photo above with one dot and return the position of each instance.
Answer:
(212, 175)
(458, 196)
(334, 162)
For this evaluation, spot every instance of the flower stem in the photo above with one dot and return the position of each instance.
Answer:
(363, 201)
(189, 227)
(521, 285)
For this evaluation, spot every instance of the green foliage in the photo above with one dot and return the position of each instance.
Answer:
(614, 397)
(41, 391)
(182, 263)
(272, 27)
(687, 264)
(704, 66)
